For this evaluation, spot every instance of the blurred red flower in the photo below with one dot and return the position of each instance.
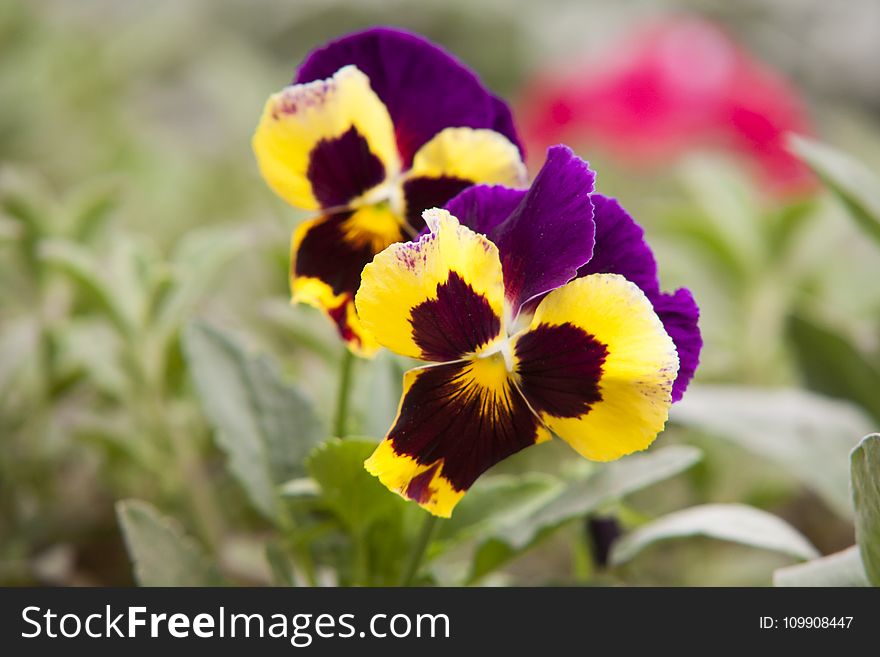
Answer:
(671, 87)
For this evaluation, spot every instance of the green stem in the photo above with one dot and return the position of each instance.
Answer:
(419, 549)
(340, 423)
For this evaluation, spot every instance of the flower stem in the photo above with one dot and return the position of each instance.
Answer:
(419, 549)
(340, 423)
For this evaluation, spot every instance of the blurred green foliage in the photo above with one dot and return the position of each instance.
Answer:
(133, 226)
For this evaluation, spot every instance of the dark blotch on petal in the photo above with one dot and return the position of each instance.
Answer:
(560, 367)
(457, 322)
(326, 254)
(339, 315)
(423, 193)
(419, 488)
(446, 417)
(343, 168)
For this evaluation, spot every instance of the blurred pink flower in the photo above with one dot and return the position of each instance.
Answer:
(674, 86)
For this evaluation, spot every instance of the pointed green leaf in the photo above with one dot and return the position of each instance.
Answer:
(161, 553)
(263, 424)
(193, 269)
(83, 269)
(838, 569)
(866, 501)
(736, 523)
(496, 501)
(576, 499)
(856, 186)
(805, 434)
(355, 496)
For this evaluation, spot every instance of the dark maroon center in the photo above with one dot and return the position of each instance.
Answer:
(447, 416)
(423, 193)
(560, 368)
(457, 322)
(343, 168)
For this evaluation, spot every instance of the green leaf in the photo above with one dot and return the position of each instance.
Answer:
(805, 434)
(838, 569)
(736, 523)
(832, 366)
(380, 525)
(856, 186)
(193, 269)
(354, 495)
(91, 205)
(279, 564)
(82, 267)
(866, 501)
(577, 498)
(263, 424)
(161, 553)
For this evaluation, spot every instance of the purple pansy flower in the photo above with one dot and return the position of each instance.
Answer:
(520, 302)
(376, 127)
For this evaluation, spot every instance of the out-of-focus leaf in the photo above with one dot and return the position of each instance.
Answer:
(729, 204)
(496, 501)
(10, 230)
(376, 393)
(85, 270)
(302, 326)
(736, 523)
(832, 366)
(808, 435)
(194, 266)
(302, 487)
(89, 345)
(380, 524)
(848, 178)
(279, 563)
(838, 569)
(784, 224)
(576, 499)
(866, 501)
(18, 341)
(91, 205)
(161, 553)
(27, 200)
(354, 495)
(263, 424)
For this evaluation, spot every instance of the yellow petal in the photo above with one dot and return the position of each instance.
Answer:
(635, 373)
(300, 117)
(436, 299)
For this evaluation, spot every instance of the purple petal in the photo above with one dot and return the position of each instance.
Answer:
(620, 247)
(503, 123)
(482, 208)
(551, 232)
(680, 316)
(425, 88)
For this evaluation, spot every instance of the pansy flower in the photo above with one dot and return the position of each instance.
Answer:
(520, 302)
(376, 127)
